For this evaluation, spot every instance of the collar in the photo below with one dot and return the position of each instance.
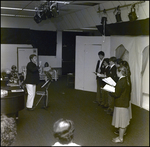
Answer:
(112, 65)
(101, 60)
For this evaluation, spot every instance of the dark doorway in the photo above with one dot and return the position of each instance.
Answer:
(68, 51)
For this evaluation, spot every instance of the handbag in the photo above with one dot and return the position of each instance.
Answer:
(132, 15)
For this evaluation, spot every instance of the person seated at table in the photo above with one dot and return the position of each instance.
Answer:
(64, 132)
(8, 130)
(14, 74)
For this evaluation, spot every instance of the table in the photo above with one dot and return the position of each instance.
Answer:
(13, 102)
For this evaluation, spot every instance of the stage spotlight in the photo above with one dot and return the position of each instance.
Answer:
(49, 14)
(37, 18)
(55, 12)
(132, 15)
(43, 15)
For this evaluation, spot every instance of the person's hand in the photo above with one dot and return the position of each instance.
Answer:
(98, 74)
(40, 63)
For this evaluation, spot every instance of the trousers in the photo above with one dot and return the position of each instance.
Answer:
(99, 91)
(31, 89)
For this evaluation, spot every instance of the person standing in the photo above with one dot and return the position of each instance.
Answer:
(121, 114)
(99, 69)
(32, 79)
(105, 93)
(113, 75)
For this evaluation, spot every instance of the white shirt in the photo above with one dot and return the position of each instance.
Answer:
(69, 144)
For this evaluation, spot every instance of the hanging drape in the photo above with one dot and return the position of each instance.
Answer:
(135, 47)
(145, 55)
(120, 50)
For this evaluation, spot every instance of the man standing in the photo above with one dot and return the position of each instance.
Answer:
(32, 79)
(99, 69)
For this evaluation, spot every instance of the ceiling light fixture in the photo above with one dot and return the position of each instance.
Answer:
(46, 10)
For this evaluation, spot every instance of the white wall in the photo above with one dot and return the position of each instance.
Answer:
(9, 54)
(80, 74)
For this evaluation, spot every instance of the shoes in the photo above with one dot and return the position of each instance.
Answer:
(117, 140)
(44, 107)
(106, 110)
(30, 109)
(105, 106)
(117, 132)
(95, 101)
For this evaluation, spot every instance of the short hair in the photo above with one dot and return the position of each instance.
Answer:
(106, 60)
(101, 53)
(63, 130)
(126, 64)
(31, 56)
(118, 61)
(113, 59)
(8, 130)
(13, 67)
(123, 70)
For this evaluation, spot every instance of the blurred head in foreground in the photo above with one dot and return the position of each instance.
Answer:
(63, 131)
(8, 130)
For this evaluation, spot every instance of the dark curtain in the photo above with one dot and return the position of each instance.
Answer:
(44, 41)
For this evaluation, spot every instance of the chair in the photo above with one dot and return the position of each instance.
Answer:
(70, 78)
(44, 93)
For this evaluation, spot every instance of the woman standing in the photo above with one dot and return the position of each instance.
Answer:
(32, 79)
(121, 114)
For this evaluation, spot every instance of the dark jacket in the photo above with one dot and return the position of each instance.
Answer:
(122, 93)
(101, 68)
(32, 76)
(113, 73)
(107, 70)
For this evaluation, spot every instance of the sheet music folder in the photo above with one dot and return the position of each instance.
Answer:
(109, 81)
(108, 88)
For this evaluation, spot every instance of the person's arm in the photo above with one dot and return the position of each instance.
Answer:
(120, 86)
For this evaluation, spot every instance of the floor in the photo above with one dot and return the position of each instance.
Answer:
(92, 124)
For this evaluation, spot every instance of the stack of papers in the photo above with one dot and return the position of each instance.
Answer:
(109, 81)
(109, 88)
(12, 84)
(17, 90)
